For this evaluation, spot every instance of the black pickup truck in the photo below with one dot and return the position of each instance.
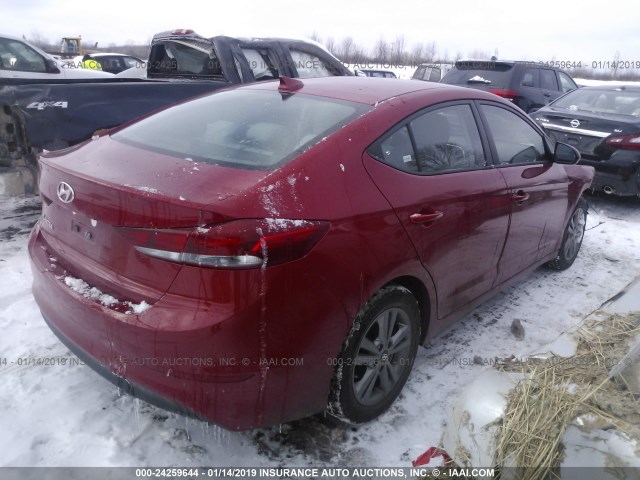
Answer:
(54, 114)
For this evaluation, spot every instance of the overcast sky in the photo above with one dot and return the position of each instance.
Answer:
(585, 30)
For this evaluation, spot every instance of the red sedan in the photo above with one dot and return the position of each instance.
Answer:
(267, 252)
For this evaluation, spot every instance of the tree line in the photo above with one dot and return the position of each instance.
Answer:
(395, 52)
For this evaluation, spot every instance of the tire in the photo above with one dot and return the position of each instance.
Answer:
(572, 238)
(371, 371)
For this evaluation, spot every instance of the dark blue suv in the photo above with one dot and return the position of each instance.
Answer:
(529, 85)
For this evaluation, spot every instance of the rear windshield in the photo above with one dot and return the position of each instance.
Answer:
(487, 73)
(185, 58)
(254, 129)
(617, 101)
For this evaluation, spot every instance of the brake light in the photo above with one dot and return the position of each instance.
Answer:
(234, 245)
(504, 93)
(625, 142)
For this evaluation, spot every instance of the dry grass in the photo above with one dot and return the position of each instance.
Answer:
(559, 389)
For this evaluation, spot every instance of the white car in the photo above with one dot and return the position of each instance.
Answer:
(18, 59)
(112, 62)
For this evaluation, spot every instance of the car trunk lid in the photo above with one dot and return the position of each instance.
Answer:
(584, 130)
(98, 204)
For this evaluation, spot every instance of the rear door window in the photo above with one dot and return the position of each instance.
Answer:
(131, 62)
(566, 84)
(309, 65)
(419, 73)
(262, 63)
(435, 74)
(531, 78)
(516, 141)
(438, 141)
(548, 79)
(183, 59)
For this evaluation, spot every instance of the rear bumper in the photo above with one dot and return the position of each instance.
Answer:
(188, 356)
(125, 386)
(621, 173)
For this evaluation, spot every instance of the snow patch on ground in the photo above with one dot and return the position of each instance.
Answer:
(587, 82)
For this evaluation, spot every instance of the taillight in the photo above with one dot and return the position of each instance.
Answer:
(625, 142)
(236, 244)
(504, 93)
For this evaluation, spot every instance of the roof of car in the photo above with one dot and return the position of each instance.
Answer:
(480, 63)
(369, 90)
(107, 54)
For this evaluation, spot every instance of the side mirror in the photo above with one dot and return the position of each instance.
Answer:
(566, 154)
(52, 66)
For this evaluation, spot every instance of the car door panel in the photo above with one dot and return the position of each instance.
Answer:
(534, 230)
(549, 85)
(461, 240)
(537, 187)
(451, 202)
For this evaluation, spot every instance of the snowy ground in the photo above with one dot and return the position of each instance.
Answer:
(69, 416)
(588, 82)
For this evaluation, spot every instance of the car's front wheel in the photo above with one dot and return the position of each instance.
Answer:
(572, 239)
(377, 356)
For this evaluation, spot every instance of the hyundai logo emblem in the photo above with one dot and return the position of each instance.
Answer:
(575, 123)
(65, 192)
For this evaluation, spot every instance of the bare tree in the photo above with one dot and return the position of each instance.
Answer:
(615, 64)
(37, 39)
(315, 36)
(346, 50)
(358, 56)
(381, 50)
(478, 54)
(398, 52)
(330, 45)
(416, 53)
(430, 51)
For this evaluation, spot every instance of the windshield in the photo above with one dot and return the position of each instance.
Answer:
(254, 129)
(479, 73)
(15, 55)
(617, 101)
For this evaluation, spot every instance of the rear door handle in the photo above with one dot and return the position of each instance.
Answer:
(425, 217)
(520, 196)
